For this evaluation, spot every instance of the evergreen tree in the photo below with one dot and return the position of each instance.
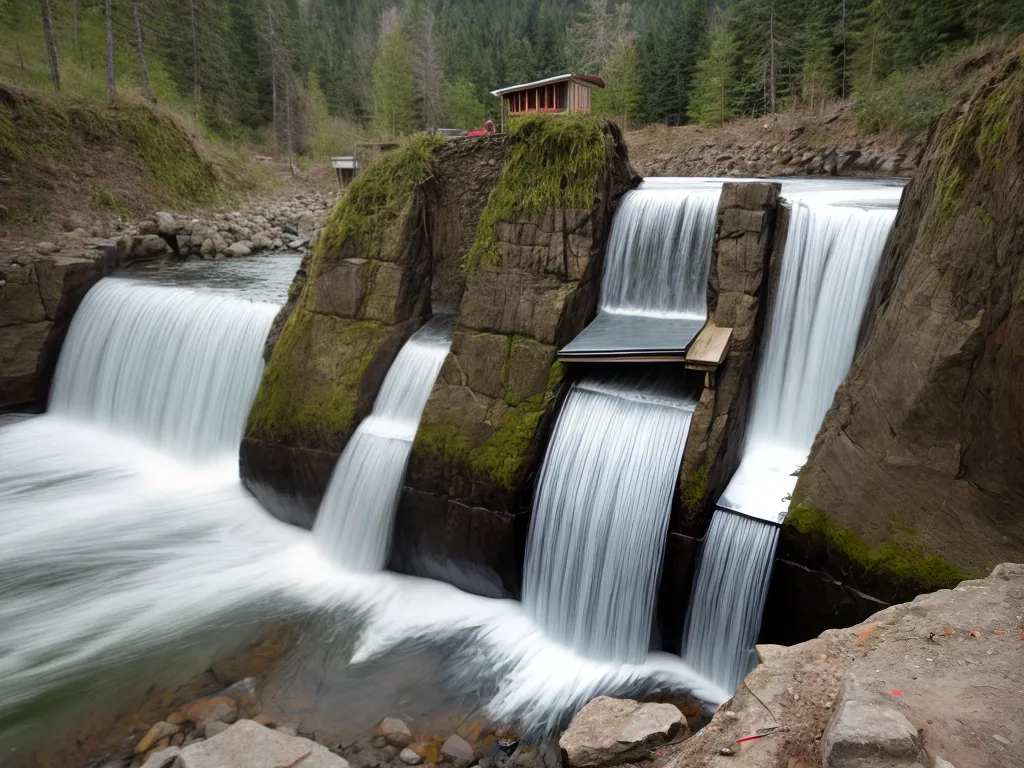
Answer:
(714, 90)
(394, 90)
(621, 94)
(462, 108)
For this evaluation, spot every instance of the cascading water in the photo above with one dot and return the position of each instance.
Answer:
(828, 266)
(654, 289)
(601, 513)
(357, 512)
(175, 368)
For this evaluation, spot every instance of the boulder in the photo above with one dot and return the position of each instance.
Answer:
(866, 734)
(247, 744)
(305, 223)
(410, 756)
(147, 248)
(165, 224)
(395, 732)
(215, 709)
(458, 751)
(611, 731)
(238, 249)
(160, 731)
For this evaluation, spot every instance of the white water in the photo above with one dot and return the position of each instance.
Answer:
(833, 245)
(828, 267)
(176, 368)
(732, 576)
(123, 565)
(357, 512)
(659, 251)
(601, 512)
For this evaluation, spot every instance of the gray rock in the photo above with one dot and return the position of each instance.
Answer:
(212, 729)
(409, 756)
(148, 247)
(164, 759)
(247, 744)
(869, 734)
(154, 735)
(165, 223)
(306, 223)
(395, 732)
(46, 247)
(238, 249)
(612, 731)
(261, 242)
(940, 763)
(457, 751)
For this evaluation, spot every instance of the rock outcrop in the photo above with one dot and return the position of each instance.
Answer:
(532, 279)
(609, 732)
(38, 296)
(364, 291)
(936, 679)
(917, 476)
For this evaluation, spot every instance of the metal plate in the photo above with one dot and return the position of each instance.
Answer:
(613, 335)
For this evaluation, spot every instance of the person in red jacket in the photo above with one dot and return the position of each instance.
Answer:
(487, 130)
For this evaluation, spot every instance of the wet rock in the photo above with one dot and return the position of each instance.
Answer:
(156, 734)
(148, 247)
(217, 709)
(458, 751)
(238, 249)
(248, 744)
(409, 756)
(245, 692)
(395, 732)
(611, 731)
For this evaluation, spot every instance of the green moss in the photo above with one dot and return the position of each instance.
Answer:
(502, 456)
(898, 559)
(553, 162)
(105, 200)
(377, 197)
(694, 488)
(9, 147)
(310, 387)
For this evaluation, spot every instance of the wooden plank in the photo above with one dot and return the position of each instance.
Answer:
(708, 350)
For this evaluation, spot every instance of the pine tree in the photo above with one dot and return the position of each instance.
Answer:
(462, 108)
(620, 96)
(714, 92)
(394, 90)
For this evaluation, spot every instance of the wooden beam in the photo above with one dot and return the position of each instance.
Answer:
(709, 349)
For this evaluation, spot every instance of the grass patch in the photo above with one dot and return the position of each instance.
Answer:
(105, 200)
(898, 559)
(553, 162)
(377, 197)
(905, 102)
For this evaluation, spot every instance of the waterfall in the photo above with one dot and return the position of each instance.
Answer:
(357, 512)
(654, 288)
(728, 597)
(174, 367)
(659, 252)
(601, 512)
(828, 266)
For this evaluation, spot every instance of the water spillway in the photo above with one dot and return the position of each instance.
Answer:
(601, 512)
(175, 368)
(833, 245)
(357, 513)
(654, 285)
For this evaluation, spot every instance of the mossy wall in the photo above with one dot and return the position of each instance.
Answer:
(364, 290)
(532, 279)
(915, 479)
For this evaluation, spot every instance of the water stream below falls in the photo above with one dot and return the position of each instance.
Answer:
(131, 556)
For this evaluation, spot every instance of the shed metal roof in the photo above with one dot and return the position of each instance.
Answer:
(588, 79)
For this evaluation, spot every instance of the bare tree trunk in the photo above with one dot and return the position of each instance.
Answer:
(844, 49)
(143, 69)
(51, 44)
(195, 65)
(273, 75)
(288, 123)
(111, 88)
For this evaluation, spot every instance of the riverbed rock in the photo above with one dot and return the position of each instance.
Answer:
(160, 731)
(238, 249)
(215, 709)
(947, 663)
(395, 732)
(611, 731)
(916, 479)
(410, 756)
(247, 744)
(458, 751)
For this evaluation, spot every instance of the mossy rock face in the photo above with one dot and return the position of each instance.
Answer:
(925, 432)
(360, 295)
(895, 571)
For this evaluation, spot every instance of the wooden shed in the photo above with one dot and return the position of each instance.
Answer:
(560, 94)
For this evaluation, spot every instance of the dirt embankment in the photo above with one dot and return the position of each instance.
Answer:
(788, 144)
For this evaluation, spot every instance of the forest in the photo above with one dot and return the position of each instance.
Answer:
(315, 74)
